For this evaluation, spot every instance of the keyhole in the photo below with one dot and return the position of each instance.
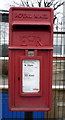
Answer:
(18, 78)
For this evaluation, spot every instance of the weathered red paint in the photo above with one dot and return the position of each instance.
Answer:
(30, 29)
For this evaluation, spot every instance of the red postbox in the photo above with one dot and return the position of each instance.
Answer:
(30, 58)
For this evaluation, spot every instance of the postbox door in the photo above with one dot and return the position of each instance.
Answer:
(24, 99)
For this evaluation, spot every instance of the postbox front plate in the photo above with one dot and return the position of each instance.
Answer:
(30, 59)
